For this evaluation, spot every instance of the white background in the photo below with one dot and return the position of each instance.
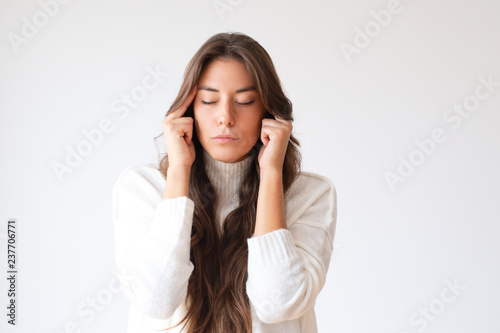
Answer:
(356, 116)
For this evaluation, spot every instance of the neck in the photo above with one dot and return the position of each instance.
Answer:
(226, 178)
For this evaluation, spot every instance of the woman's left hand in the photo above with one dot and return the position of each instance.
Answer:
(274, 135)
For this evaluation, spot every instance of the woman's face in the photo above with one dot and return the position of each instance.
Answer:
(227, 103)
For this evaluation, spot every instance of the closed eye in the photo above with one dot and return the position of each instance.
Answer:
(208, 103)
(248, 103)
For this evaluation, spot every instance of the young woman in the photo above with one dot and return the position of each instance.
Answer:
(225, 233)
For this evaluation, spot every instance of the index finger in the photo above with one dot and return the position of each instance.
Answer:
(182, 109)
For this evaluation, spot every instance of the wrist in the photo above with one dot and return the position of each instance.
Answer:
(177, 184)
(271, 173)
(179, 170)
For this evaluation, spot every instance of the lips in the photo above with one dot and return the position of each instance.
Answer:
(224, 137)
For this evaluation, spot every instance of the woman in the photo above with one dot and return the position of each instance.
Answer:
(225, 234)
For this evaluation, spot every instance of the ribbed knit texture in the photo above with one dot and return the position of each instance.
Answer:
(226, 178)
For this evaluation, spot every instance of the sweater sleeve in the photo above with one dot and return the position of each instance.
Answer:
(152, 243)
(287, 267)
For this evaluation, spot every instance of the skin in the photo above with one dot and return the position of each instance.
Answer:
(227, 114)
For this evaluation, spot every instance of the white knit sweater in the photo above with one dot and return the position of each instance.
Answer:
(286, 268)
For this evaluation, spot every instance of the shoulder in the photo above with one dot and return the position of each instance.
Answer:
(138, 175)
(312, 185)
(316, 179)
(137, 186)
(312, 199)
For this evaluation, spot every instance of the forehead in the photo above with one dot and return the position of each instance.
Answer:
(225, 74)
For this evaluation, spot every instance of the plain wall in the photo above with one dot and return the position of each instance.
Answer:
(389, 103)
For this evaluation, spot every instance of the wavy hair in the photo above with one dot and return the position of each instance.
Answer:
(217, 285)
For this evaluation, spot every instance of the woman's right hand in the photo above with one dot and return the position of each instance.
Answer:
(178, 132)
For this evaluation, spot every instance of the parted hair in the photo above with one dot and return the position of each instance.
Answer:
(217, 285)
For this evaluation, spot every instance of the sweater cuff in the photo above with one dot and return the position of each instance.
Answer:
(272, 249)
(173, 219)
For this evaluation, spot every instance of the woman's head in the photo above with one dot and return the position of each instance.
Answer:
(229, 62)
(224, 65)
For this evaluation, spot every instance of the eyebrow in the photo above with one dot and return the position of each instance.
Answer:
(237, 91)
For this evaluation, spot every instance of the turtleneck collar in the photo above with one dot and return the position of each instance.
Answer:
(225, 176)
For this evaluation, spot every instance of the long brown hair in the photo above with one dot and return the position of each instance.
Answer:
(217, 286)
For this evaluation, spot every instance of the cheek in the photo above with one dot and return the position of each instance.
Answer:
(254, 126)
(199, 120)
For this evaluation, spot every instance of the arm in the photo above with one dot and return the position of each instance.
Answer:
(270, 214)
(152, 243)
(287, 267)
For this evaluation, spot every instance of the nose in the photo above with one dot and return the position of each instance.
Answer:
(226, 115)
